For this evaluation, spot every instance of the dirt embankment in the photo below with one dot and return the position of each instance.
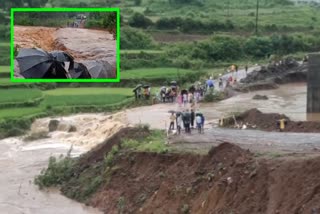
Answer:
(268, 77)
(254, 118)
(227, 180)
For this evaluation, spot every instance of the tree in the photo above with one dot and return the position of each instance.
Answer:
(137, 2)
(139, 20)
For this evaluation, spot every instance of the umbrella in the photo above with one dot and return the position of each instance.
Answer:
(37, 63)
(79, 71)
(192, 89)
(184, 91)
(99, 69)
(199, 114)
(62, 56)
(137, 87)
(171, 111)
(173, 82)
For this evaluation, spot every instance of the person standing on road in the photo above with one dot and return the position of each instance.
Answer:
(187, 118)
(192, 117)
(199, 123)
(179, 123)
(172, 119)
(220, 83)
(246, 69)
(185, 99)
(202, 123)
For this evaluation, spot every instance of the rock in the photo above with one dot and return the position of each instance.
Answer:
(229, 180)
(53, 125)
(72, 128)
(260, 97)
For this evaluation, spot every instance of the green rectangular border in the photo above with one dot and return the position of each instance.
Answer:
(13, 10)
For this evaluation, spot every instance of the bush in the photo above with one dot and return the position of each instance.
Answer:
(135, 39)
(213, 96)
(58, 171)
(139, 20)
(258, 46)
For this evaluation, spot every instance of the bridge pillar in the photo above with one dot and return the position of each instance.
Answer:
(313, 82)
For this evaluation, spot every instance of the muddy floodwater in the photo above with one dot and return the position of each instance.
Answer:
(20, 162)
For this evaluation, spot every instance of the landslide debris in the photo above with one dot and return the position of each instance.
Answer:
(268, 77)
(255, 119)
(226, 180)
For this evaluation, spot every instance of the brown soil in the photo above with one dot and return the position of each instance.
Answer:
(226, 180)
(35, 37)
(254, 118)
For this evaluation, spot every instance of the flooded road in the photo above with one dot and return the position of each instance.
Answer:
(287, 99)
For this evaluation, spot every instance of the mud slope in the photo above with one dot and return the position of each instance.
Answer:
(226, 180)
(35, 37)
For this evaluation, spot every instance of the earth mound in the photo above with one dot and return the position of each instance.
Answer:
(226, 180)
(260, 97)
(270, 76)
(255, 119)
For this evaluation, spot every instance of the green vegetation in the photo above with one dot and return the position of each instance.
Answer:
(135, 39)
(4, 68)
(63, 97)
(154, 73)
(58, 171)
(153, 143)
(18, 95)
(4, 54)
(92, 173)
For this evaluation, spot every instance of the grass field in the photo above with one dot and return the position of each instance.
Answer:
(149, 73)
(5, 68)
(18, 95)
(139, 51)
(19, 112)
(88, 91)
(61, 97)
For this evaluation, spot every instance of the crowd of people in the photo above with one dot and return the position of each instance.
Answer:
(142, 92)
(187, 120)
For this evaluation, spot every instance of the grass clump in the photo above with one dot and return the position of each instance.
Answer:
(155, 142)
(110, 156)
(59, 170)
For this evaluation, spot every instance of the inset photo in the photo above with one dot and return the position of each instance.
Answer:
(65, 45)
